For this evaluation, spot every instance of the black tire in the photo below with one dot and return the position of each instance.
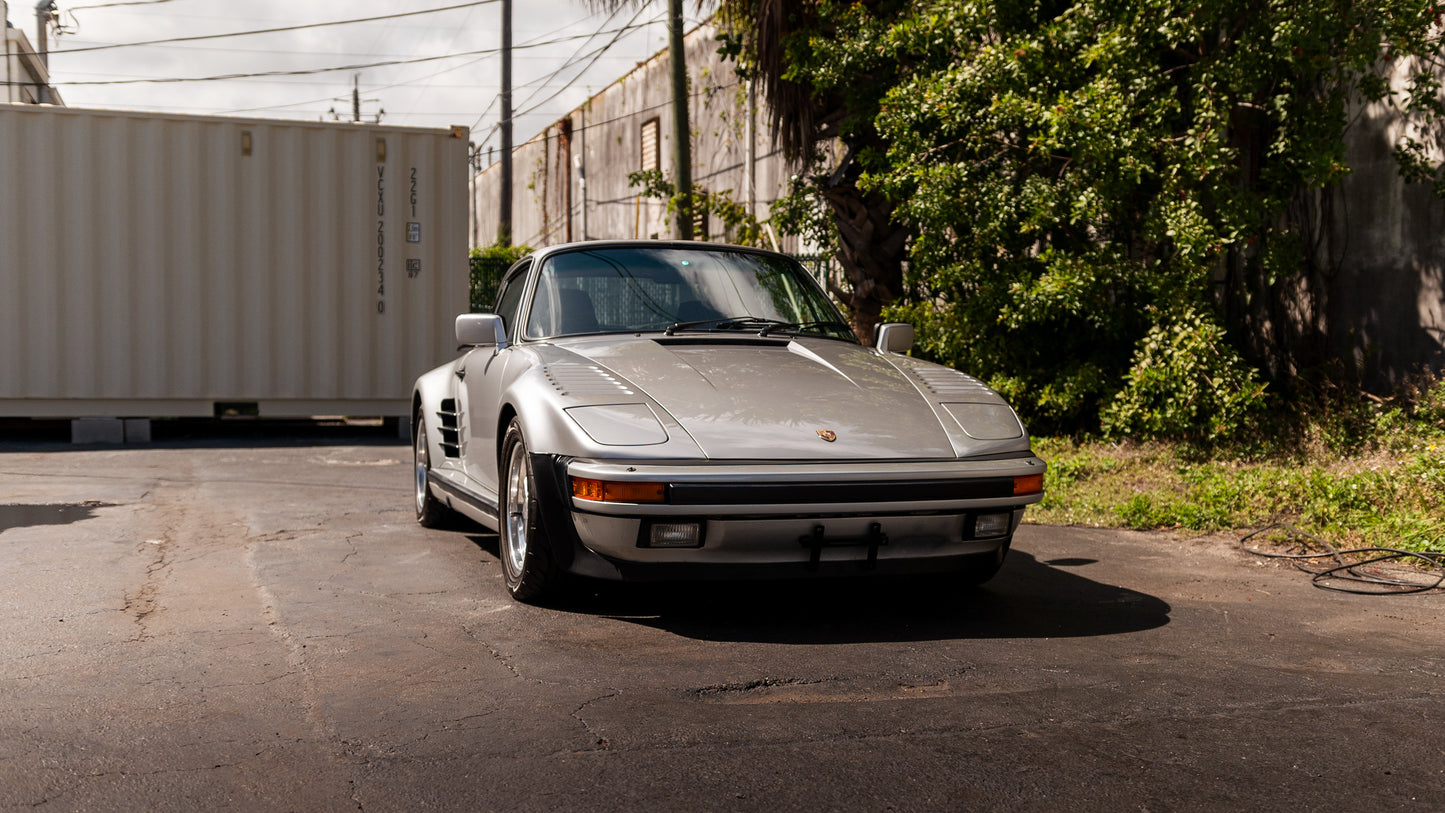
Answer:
(430, 512)
(523, 546)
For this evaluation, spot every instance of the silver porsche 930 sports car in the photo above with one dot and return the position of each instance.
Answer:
(655, 410)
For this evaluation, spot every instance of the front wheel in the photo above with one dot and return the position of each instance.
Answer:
(525, 550)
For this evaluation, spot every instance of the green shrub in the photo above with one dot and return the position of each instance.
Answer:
(1186, 383)
(487, 267)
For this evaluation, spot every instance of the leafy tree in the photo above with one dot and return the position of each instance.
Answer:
(1075, 182)
(739, 225)
(823, 100)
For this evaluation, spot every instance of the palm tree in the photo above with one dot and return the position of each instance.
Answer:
(871, 248)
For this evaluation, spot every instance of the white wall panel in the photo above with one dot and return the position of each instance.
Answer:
(146, 260)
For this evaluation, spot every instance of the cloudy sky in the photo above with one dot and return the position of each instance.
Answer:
(444, 68)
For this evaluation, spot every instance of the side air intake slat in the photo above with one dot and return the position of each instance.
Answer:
(450, 428)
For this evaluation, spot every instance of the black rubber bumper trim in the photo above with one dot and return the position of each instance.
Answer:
(804, 570)
(901, 491)
(554, 497)
(455, 491)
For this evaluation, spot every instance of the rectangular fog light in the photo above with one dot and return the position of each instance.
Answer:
(676, 535)
(991, 525)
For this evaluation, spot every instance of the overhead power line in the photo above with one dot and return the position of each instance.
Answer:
(356, 67)
(114, 5)
(591, 58)
(199, 37)
(631, 23)
(541, 79)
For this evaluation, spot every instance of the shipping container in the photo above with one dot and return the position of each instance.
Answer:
(161, 265)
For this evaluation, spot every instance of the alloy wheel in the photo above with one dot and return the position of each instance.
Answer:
(518, 509)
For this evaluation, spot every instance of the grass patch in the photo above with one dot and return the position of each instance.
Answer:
(1355, 474)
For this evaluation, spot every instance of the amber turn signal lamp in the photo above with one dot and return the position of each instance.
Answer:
(1028, 484)
(604, 491)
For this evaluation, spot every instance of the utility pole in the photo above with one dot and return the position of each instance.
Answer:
(504, 208)
(356, 101)
(44, 14)
(750, 152)
(580, 159)
(681, 132)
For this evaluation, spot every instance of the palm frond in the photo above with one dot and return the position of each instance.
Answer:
(763, 28)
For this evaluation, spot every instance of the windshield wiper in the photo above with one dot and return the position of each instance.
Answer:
(726, 323)
(800, 327)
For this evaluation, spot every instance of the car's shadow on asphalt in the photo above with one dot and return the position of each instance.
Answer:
(1027, 599)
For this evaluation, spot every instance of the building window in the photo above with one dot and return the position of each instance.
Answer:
(651, 145)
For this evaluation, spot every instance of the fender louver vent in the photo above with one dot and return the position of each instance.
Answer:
(944, 382)
(585, 380)
(450, 428)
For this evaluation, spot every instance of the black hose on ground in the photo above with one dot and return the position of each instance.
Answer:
(1355, 570)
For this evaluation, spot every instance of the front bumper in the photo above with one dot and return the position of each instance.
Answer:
(795, 517)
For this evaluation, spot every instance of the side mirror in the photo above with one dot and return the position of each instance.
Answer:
(893, 337)
(481, 330)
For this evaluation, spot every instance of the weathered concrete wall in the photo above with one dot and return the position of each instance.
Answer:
(1384, 309)
(604, 140)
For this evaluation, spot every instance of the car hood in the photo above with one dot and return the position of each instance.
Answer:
(745, 399)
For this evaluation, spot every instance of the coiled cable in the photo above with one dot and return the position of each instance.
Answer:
(1355, 570)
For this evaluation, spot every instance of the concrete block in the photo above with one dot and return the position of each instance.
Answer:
(97, 430)
(137, 430)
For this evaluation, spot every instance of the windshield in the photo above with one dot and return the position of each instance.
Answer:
(678, 290)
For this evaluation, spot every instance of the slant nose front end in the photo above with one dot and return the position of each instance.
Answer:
(661, 520)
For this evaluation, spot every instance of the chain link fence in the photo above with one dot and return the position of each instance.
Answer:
(486, 277)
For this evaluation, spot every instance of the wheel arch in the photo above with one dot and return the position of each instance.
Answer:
(504, 419)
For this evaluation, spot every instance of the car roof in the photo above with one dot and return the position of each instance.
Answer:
(688, 245)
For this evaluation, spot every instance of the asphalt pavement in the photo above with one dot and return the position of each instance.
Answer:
(255, 622)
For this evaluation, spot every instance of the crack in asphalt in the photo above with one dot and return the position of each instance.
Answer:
(350, 540)
(81, 779)
(295, 650)
(421, 642)
(502, 658)
(899, 685)
(146, 601)
(454, 722)
(285, 535)
(248, 684)
(600, 742)
(760, 683)
(45, 654)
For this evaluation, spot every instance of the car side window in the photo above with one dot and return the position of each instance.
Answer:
(510, 299)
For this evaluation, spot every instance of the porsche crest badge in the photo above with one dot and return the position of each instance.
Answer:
(828, 435)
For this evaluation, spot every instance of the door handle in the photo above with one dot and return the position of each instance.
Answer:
(461, 373)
